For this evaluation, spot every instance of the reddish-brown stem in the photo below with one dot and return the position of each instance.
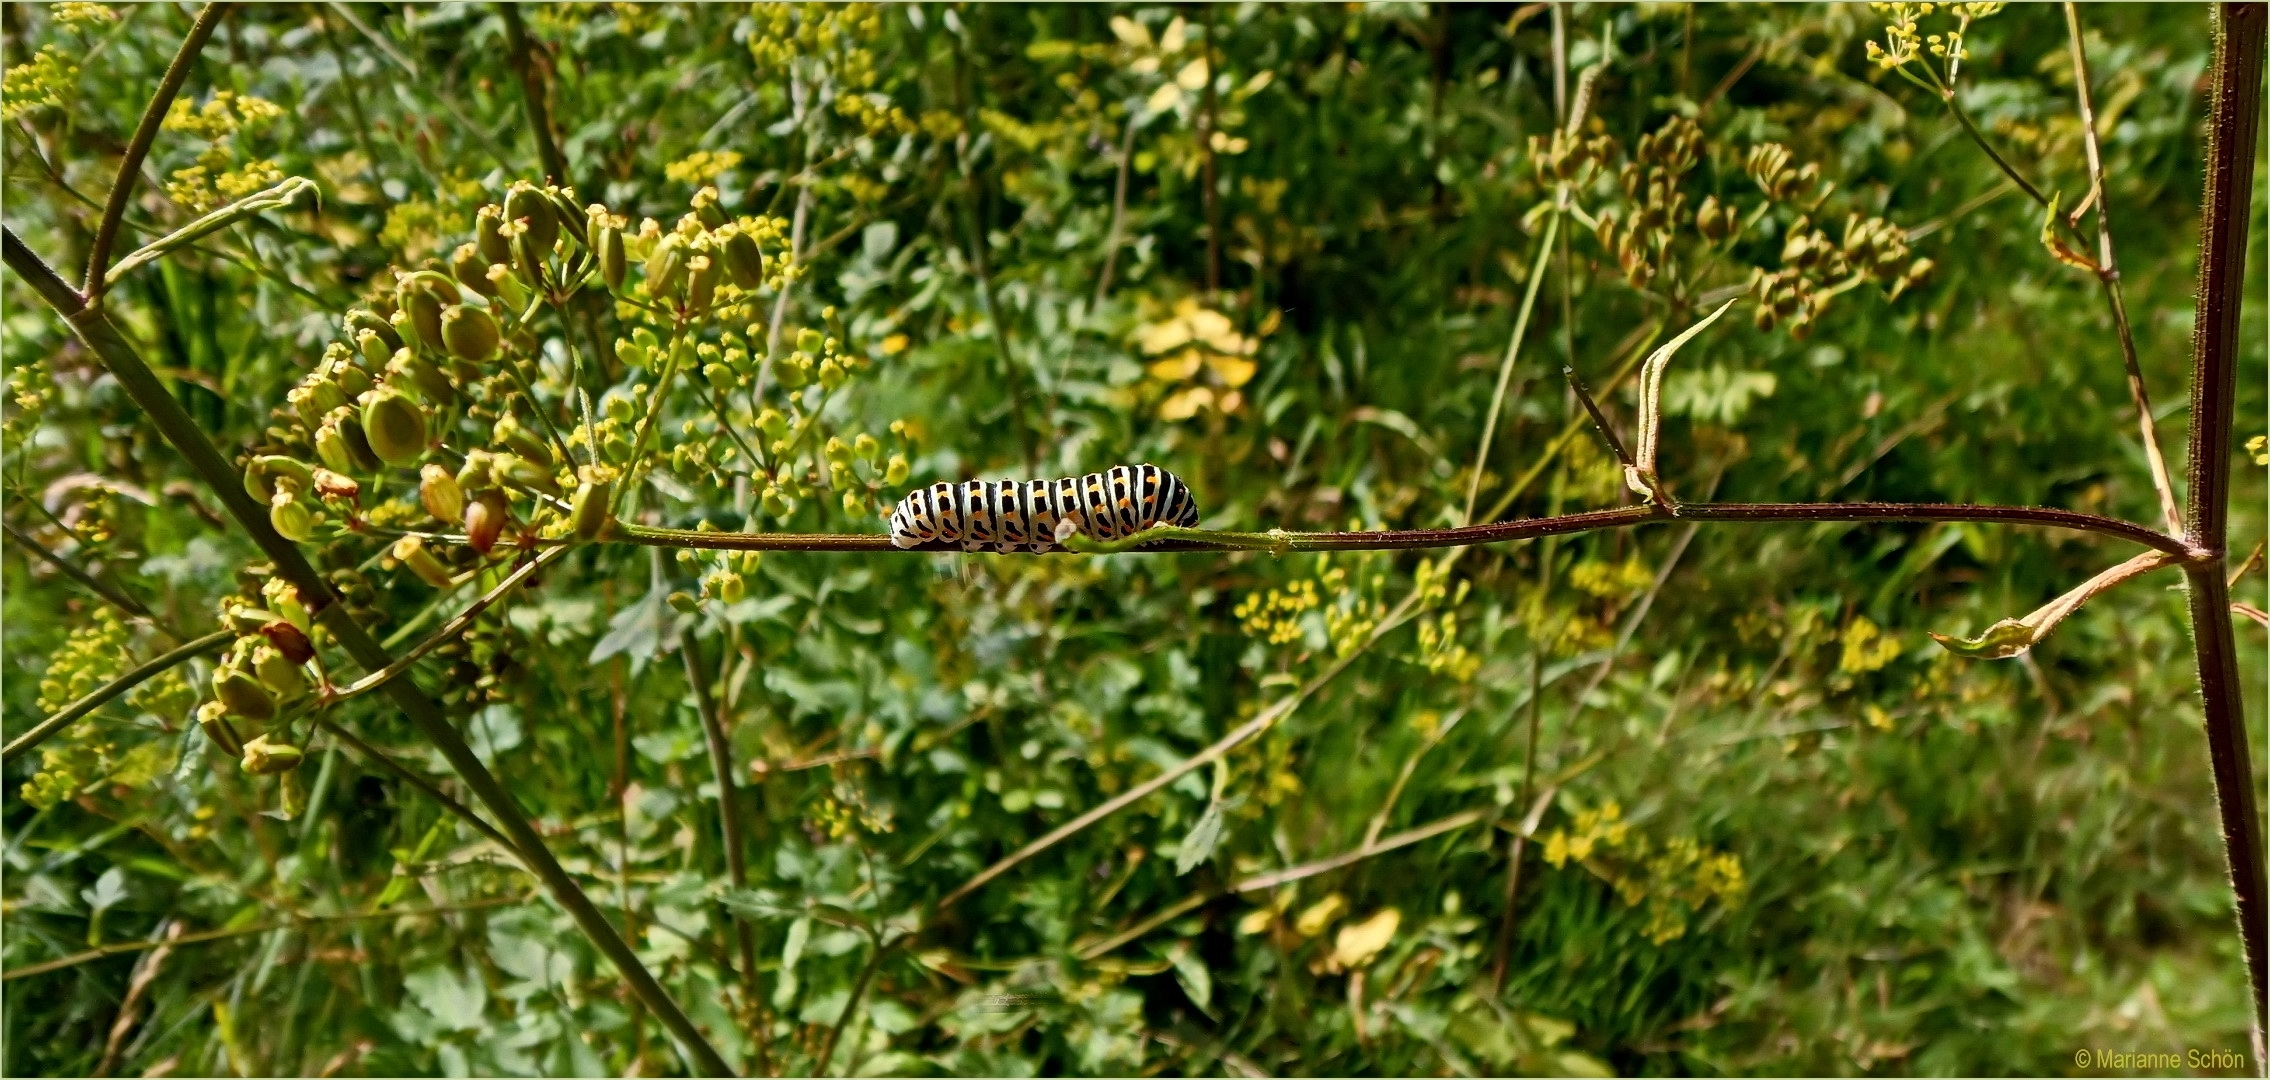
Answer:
(2232, 117)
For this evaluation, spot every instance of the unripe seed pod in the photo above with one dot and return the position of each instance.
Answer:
(532, 475)
(564, 210)
(684, 603)
(613, 260)
(528, 259)
(476, 474)
(304, 404)
(866, 447)
(265, 758)
(212, 716)
(666, 267)
(727, 586)
(485, 520)
(288, 640)
(776, 503)
(720, 377)
(895, 472)
(361, 319)
(246, 619)
(810, 340)
(290, 518)
(241, 694)
(590, 509)
(702, 274)
(706, 209)
(525, 203)
(744, 261)
(330, 484)
(262, 472)
(772, 423)
(631, 353)
(470, 333)
(282, 677)
(471, 270)
(374, 348)
(794, 372)
(616, 448)
(523, 441)
(352, 381)
(439, 494)
(411, 371)
(349, 426)
(395, 426)
(284, 599)
(488, 235)
(831, 374)
(507, 286)
(424, 310)
(411, 551)
(620, 408)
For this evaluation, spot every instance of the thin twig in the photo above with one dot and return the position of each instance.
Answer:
(386, 761)
(2108, 275)
(1599, 420)
(1506, 366)
(1118, 217)
(728, 809)
(145, 134)
(117, 598)
(449, 630)
(2234, 112)
(532, 93)
(116, 948)
(46, 729)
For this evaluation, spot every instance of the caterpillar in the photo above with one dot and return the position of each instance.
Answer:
(1005, 514)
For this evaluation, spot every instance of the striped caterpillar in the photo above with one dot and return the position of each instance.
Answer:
(1118, 502)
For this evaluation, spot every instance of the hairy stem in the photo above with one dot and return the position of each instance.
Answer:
(2233, 114)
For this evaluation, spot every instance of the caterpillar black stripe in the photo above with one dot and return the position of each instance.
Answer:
(1008, 514)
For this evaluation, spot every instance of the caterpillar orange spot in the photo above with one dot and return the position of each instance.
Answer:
(1041, 514)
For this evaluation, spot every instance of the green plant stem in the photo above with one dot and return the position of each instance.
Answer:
(138, 148)
(2233, 115)
(532, 94)
(386, 761)
(102, 337)
(63, 718)
(1506, 366)
(117, 598)
(2108, 276)
(117, 948)
(728, 812)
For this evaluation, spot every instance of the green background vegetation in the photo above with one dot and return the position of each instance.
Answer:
(1778, 830)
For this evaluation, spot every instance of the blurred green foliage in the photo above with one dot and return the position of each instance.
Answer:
(1776, 829)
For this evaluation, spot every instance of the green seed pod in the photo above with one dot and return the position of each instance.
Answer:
(809, 340)
(439, 494)
(419, 374)
(706, 209)
(702, 275)
(374, 348)
(836, 451)
(666, 267)
(284, 599)
(613, 260)
(361, 319)
(744, 261)
(395, 426)
(476, 474)
(590, 507)
(471, 270)
(631, 353)
(528, 259)
(288, 640)
(525, 203)
(282, 677)
(526, 473)
(212, 716)
(895, 472)
(854, 501)
(831, 374)
(684, 603)
(485, 519)
(411, 551)
(866, 447)
(260, 476)
(290, 518)
(265, 758)
(573, 219)
(470, 333)
(720, 376)
(305, 404)
(424, 310)
(794, 372)
(616, 448)
(776, 503)
(726, 586)
(772, 424)
(523, 441)
(352, 381)
(488, 235)
(331, 446)
(620, 408)
(508, 287)
(359, 453)
(241, 694)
